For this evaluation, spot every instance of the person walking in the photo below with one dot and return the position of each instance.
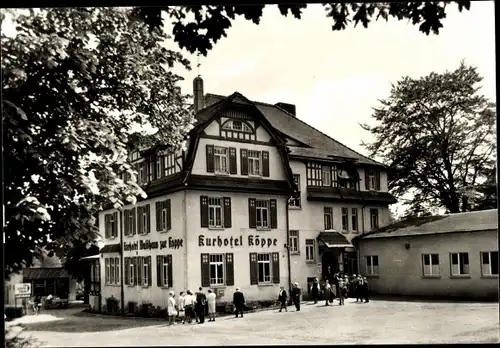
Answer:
(315, 290)
(327, 290)
(359, 288)
(238, 302)
(180, 307)
(201, 303)
(282, 299)
(365, 290)
(211, 297)
(171, 308)
(296, 292)
(341, 284)
(189, 302)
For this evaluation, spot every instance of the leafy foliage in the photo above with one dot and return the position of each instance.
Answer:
(15, 337)
(437, 133)
(198, 28)
(79, 85)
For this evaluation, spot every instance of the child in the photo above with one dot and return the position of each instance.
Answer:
(171, 308)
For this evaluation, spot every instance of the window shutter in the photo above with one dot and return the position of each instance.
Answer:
(127, 271)
(232, 161)
(367, 180)
(134, 262)
(377, 181)
(252, 214)
(158, 215)
(148, 213)
(115, 227)
(126, 227)
(276, 267)
(210, 158)
(159, 270)
(107, 225)
(254, 269)
(244, 162)
(265, 163)
(227, 212)
(169, 215)
(107, 270)
(204, 211)
(229, 269)
(140, 261)
(162, 166)
(154, 159)
(274, 213)
(205, 270)
(137, 167)
(139, 220)
(169, 271)
(149, 271)
(134, 221)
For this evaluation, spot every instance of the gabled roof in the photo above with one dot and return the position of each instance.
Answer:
(321, 145)
(484, 220)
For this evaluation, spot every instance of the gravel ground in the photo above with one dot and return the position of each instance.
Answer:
(376, 322)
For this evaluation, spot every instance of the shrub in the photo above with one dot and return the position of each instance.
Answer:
(14, 339)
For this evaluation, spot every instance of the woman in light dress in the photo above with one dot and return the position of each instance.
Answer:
(171, 308)
(211, 305)
(180, 307)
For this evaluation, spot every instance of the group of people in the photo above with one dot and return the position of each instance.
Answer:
(191, 306)
(342, 287)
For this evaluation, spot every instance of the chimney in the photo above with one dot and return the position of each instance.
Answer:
(198, 94)
(290, 108)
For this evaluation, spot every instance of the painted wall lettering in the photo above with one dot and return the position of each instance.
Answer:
(146, 244)
(236, 241)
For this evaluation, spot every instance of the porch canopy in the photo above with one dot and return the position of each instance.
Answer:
(334, 240)
(44, 273)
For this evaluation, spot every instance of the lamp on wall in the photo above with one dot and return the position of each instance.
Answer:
(407, 246)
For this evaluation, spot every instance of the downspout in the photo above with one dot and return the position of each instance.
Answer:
(122, 289)
(362, 233)
(288, 248)
(184, 216)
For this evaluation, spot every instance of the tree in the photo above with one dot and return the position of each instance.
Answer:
(437, 134)
(78, 85)
(210, 22)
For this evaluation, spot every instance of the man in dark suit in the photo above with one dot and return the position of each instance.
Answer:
(315, 290)
(239, 302)
(201, 302)
(296, 292)
(282, 298)
(365, 290)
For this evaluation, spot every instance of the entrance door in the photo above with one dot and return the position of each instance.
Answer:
(329, 262)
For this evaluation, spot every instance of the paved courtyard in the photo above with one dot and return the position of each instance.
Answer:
(376, 322)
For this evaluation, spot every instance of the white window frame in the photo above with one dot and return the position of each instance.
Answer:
(221, 160)
(130, 222)
(131, 271)
(372, 177)
(372, 224)
(295, 201)
(264, 258)
(145, 271)
(354, 219)
(486, 267)
(326, 176)
(117, 270)
(214, 204)
(217, 260)
(262, 206)
(163, 216)
(112, 270)
(159, 174)
(294, 242)
(142, 173)
(151, 170)
(310, 250)
(371, 268)
(112, 225)
(460, 262)
(164, 271)
(253, 158)
(432, 269)
(345, 214)
(328, 211)
(107, 273)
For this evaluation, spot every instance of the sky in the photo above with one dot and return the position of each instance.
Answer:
(335, 78)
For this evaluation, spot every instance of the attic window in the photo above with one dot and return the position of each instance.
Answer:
(237, 126)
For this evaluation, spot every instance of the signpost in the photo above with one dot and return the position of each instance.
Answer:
(22, 291)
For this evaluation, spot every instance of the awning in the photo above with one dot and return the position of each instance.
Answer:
(44, 273)
(110, 248)
(93, 257)
(334, 240)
